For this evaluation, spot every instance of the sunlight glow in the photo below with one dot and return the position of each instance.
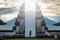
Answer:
(29, 5)
(30, 18)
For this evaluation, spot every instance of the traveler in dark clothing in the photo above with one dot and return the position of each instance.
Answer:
(30, 33)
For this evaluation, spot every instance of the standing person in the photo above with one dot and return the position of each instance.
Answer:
(30, 33)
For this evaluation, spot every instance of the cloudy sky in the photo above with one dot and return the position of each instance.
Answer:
(10, 3)
(49, 8)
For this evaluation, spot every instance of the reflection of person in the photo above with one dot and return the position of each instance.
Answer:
(1, 22)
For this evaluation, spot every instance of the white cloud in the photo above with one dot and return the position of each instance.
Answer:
(11, 3)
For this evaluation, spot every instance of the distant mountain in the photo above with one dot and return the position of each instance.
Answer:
(2, 23)
(8, 25)
(51, 22)
(57, 24)
(48, 21)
